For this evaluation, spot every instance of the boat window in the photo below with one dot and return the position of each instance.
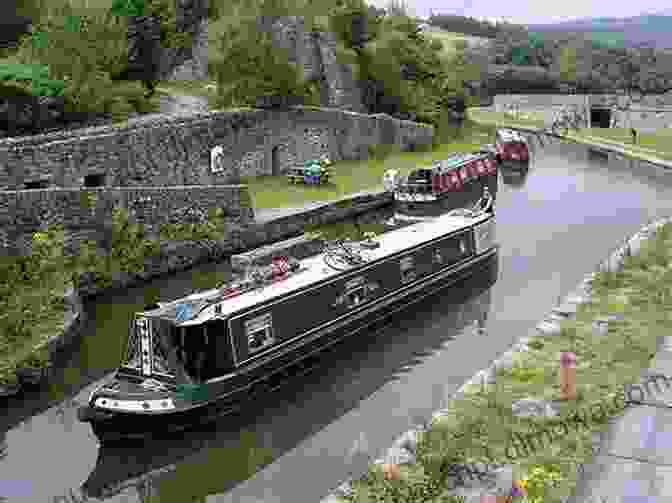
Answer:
(193, 351)
(407, 269)
(259, 333)
(160, 363)
(420, 175)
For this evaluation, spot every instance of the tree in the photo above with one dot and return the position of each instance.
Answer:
(252, 67)
(567, 64)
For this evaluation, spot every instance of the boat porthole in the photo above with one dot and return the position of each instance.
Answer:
(116, 404)
(145, 405)
(164, 404)
(103, 402)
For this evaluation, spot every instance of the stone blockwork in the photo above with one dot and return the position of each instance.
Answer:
(86, 214)
(168, 151)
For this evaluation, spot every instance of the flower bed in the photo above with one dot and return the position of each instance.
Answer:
(544, 450)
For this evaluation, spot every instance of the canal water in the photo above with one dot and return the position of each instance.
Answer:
(554, 223)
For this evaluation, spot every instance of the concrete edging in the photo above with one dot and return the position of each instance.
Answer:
(402, 450)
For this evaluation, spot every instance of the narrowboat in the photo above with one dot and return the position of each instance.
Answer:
(456, 182)
(512, 149)
(197, 358)
(119, 469)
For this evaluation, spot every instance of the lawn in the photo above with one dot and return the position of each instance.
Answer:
(356, 176)
(480, 425)
(504, 119)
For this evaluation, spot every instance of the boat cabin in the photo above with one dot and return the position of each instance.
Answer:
(209, 336)
(448, 175)
(511, 145)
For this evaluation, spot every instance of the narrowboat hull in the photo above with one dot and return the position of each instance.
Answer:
(447, 201)
(229, 393)
(515, 165)
(512, 150)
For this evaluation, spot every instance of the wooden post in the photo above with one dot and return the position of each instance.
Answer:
(567, 376)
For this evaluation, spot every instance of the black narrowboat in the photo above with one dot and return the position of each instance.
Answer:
(512, 149)
(202, 356)
(456, 182)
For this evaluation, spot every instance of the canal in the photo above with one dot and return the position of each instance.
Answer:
(554, 225)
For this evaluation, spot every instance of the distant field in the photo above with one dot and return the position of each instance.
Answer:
(449, 38)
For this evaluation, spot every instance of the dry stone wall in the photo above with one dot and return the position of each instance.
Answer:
(170, 151)
(86, 214)
(167, 159)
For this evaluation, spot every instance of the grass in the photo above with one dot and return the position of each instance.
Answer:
(483, 417)
(504, 119)
(356, 176)
(39, 307)
(656, 144)
(449, 39)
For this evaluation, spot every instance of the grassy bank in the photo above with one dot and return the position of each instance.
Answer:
(357, 176)
(656, 144)
(481, 424)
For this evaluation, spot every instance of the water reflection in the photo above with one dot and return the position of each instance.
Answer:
(234, 448)
(514, 178)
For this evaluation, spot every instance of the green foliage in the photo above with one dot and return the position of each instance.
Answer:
(165, 11)
(128, 7)
(36, 74)
(251, 66)
(97, 40)
(568, 64)
(213, 229)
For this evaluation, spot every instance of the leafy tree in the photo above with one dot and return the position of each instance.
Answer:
(567, 63)
(99, 46)
(252, 66)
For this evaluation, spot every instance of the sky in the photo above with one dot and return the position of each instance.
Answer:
(533, 12)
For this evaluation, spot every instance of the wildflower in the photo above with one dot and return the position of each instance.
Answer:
(519, 488)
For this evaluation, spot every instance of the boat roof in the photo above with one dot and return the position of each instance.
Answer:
(200, 307)
(510, 135)
(454, 161)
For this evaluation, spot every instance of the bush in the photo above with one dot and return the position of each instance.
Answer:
(251, 66)
(98, 42)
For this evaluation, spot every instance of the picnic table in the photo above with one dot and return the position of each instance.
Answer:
(312, 173)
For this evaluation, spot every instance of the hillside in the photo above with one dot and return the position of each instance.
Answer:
(653, 29)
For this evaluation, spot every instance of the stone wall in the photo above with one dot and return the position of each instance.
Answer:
(162, 150)
(86, 214)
